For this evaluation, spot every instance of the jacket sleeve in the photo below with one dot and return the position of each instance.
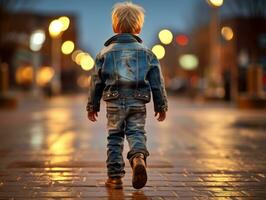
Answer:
(157, 86)
(97, 85)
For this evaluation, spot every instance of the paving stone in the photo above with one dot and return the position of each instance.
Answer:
(48, 150)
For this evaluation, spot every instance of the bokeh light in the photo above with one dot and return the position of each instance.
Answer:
(86, 62)
(83, 81)
(65, 22)
(78, 57)
(227, 33)
(37, 39)
(24, 75)
(165, 36)
(159, 51)
(55, 28)
(188, 61)
(74, 54)
(181, 40)
(44, 75)
(67, 47)
(215, 3)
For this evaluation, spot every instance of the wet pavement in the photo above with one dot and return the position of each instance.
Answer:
(48, 150)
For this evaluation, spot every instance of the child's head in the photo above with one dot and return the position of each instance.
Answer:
(127, 18)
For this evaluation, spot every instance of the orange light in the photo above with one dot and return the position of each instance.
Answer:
(181, 40)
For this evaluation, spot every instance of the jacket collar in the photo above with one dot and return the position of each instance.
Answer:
(123, 38)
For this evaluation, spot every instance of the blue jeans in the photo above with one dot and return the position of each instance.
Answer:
(125, 117)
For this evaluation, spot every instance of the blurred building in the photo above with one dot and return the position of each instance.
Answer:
(242, 42)
(15, 50)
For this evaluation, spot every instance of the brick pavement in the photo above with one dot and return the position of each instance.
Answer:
(49, 151)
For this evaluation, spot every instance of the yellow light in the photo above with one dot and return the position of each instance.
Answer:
(159, 51)
(74, 54)
(215, 3)
(44, 75)
(86, 62)
(24, 75)
(67, 47)
(78, 57)
(227, 33)
(188, 61)
(55, 28)
(165, 36)
(65, 22)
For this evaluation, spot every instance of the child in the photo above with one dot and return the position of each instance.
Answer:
(125, 74)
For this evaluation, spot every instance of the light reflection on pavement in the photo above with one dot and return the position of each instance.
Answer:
(200, 150)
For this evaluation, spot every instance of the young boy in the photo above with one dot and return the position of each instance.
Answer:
(126, 72)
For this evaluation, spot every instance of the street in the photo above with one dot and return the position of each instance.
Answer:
(49, 150)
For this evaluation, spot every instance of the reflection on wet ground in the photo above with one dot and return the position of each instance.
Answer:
(49, 150)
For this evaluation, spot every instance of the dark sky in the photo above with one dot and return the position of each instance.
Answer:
(94, 17)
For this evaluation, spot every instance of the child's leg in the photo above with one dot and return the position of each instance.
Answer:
(135, 132)
(115, 126)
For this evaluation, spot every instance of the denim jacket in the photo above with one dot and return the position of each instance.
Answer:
(125, 68)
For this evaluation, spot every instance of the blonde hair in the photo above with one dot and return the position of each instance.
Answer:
(127, 18)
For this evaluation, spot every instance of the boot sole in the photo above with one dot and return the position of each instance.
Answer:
(139, 179)
(113, 186)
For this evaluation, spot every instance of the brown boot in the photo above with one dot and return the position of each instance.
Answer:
(115, 183)
(139, 178)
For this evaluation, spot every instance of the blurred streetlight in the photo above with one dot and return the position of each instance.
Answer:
(74, 55)
(159, 51)
(86, 62)
(188, 61)
(165, 36)
(215, 3)
(214, 76)
(181, 40)
(45, 75)
(65, 22)
(56, 29)
(227, 33)
(37, 39)
(67, 47)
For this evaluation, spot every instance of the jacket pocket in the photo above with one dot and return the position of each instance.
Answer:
(110, 95)
(144, 96)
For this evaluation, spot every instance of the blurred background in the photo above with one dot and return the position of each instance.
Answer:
(208, 49)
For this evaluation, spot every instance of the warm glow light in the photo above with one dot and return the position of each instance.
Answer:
(67, 47)
(83, 81)
(159, 51)
(65, 22)
(24, 75)
(215, 3)
(227, 33)
(165, 36)
(188, 61)
(74, 54)
(55, 28)
(37, 39)
(44, 75)
(181, 40)
(78, 57)
(86, 62)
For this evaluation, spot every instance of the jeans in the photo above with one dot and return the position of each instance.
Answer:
(125, 117)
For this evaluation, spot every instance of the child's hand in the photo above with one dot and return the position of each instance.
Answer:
(92, 116)
(161, 117)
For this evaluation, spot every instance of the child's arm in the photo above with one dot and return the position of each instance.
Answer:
(96, 89)
(156, 81)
